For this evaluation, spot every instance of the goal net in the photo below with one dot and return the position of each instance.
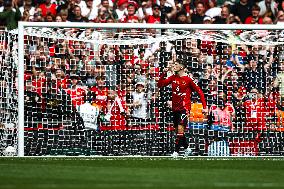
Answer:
(92, 89)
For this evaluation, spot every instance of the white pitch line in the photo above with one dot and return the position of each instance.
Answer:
(248, 185)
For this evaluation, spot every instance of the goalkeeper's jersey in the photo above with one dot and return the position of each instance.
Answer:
(182, 88)
(89, 115)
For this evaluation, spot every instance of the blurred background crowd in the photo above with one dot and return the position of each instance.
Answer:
(142, 11)
(243, 84)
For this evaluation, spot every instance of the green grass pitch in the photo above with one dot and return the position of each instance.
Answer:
(127, 173)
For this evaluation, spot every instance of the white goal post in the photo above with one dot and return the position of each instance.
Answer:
(21, 50)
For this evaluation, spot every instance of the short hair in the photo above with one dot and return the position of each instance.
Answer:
(199, 2)
(255, 7)
(181, 62)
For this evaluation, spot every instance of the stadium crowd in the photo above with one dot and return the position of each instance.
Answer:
(142, 11)
(243, 84)
(226, 73)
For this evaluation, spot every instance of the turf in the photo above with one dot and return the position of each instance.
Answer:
(126, 173)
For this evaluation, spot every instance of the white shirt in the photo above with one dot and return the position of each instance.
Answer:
(120, 13)
(83, 7)
(89, 114)
(263, 8)
(140, 112)
(149, 11)
(31, 11)
(93, 14)
(97, 3)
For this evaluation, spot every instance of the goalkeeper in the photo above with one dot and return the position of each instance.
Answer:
(182, 88)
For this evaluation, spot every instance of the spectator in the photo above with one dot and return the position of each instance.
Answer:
(224, 18)
(67, 5)
(89, 113)
(268, 8)
(155, 17)
(38, 18)
(222, 114)
(209, 4)
(131, 16)
(139, 103)
(49, 18)
(120, 12)
(198, 17)
(255, 17)
(207, 20)
(278, 83)
(64, 15)
(91, 11)
(76, 91)
(187, 6)
(267, 20)
(108, 4)
(242, 9)
(117, 111)
(77, 15)
(232, 71)
(101, 93)
(10, 17)
(254, 76)
(280, 17)
(58, 18)
(82, 4)
(103, 15)
(181, 18)
(139, 76)
(48, 7)
(26, 16)
(32, 104)
(255, 111)
(146, 9)
(61, 79)
(27, 7)
(167, 12)
(211, 92)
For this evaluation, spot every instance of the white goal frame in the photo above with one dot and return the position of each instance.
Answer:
(23, 25)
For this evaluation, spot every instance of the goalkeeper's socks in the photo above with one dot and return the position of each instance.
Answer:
(179, 141)
(184, 142)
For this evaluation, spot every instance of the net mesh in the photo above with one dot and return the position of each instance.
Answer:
(94, 91)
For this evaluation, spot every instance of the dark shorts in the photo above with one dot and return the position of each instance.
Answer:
(180, 118)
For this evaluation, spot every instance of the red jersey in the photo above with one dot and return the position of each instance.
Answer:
(255, 114)
(45, 9)
(101, 97)
(62, 83)
(38, 84)
(117, 120)
(182, 88)
(249, 20)
(153, 20)
(129, 19)
(77, 96)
